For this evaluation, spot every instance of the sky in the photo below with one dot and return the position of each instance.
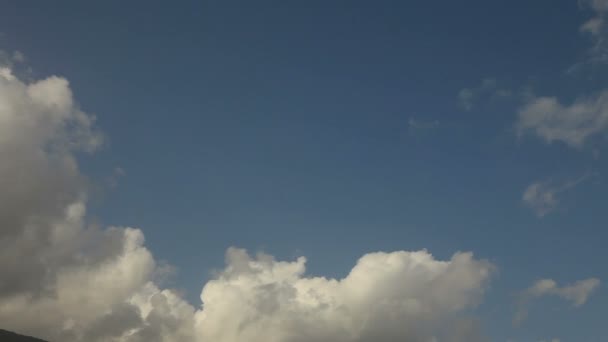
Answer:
(347, 171)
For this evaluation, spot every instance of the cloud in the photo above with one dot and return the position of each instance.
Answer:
(418, 126)
(577, 294)
(542, 197)
(596, 28)
(61, 278)
(18, 57)
(113, 179)
(66, 280)
(468, 97)
(572, 124)
(6, 73)
(400, 296)
(11, 59)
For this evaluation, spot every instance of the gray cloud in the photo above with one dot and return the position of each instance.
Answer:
(43, 191)
(61, 279)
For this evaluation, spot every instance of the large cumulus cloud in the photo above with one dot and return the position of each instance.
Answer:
(399, 296)
(61, 279)
(65, 280)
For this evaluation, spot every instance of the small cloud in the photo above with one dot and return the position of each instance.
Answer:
(416, 126)
(116, 175)
(8, 59)
(488, 88)
(119, 171)
(488, 83)
(503, 93)
(593, 26)
(571, 124)
(18, 57)
(597, 30)
(466, 96)
(577, 294)
(12, 64)
(542, 197)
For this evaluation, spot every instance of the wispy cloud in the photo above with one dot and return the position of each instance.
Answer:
(577, 294)
(419, 126)
(542, 196)
(488, 88)
(571, 124)
(596, 28)
(10, 59)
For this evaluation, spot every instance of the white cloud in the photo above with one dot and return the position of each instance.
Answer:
(577, 294)
(6, 73)
(65, 280)
(571, 124)
(400, 296)
(61, 279)
(542, 197)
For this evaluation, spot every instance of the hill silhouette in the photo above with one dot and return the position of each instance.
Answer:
(8, 336)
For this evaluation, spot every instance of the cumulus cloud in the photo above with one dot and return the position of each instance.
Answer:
(571, 124)
(577, 294)
(61, 278)
(66, 280)
(542, 197)
(400, 296)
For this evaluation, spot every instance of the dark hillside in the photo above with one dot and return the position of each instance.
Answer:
(7, 336)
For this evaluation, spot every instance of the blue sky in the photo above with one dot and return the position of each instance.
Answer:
(332, 129)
